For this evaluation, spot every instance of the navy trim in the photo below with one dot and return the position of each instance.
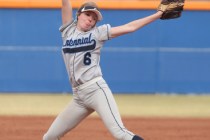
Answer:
(74, 75)
(112, 112)
(107, 31)
(84, 8)
(64, 26)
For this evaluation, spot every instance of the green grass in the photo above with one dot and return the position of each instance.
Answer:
(153, 105)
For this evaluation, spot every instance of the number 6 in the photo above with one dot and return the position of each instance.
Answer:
(87, 60)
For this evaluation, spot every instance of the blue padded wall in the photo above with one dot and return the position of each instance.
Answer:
(170, 56)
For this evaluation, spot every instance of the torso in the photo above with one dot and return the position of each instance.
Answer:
(81, 52)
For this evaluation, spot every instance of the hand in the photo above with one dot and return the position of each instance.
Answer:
(171, 8)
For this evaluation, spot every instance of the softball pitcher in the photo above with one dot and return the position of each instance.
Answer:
(82, 43)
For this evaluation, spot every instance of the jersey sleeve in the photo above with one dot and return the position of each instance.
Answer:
(64, 29)
(104, 32)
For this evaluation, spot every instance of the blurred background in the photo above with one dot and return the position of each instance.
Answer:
(170, 56)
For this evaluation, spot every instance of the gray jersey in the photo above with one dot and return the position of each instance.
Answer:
(81, 52)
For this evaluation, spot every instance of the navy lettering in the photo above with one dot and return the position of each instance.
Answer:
(80, 41)
(79, 45)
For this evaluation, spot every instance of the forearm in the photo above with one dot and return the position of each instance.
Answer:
(134, 25)
(137, 24)
(66, 11)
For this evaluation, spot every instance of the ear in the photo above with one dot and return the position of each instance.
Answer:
(77, 15)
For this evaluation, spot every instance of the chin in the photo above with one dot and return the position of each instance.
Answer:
(87, 29)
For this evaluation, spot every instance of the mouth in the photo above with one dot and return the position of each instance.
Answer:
(88, 25)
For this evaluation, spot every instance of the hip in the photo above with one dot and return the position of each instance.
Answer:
(90, 86)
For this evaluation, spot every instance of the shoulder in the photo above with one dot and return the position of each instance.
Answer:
(67, 28)
(104, 27)
(69, 24)
(103, 31)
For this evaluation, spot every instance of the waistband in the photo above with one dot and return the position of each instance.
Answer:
(80, 87)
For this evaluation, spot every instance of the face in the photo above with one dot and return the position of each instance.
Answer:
(86, 21)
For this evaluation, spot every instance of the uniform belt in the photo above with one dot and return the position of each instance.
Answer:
(87, 83)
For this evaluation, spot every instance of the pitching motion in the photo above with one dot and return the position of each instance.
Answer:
(82, 44)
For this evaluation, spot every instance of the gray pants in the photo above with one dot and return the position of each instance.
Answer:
(96, 97)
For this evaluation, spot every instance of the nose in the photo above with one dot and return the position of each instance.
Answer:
(90, 18)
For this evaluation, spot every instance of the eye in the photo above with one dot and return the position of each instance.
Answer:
(94, 18)
(87, 14)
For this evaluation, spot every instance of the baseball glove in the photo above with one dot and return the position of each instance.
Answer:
(171, 8)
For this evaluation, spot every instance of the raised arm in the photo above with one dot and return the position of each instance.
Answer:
(134, 25)
(66, 11)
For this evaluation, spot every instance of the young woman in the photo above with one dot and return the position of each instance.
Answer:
(82, 43)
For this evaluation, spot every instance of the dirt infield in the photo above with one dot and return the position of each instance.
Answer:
(32, 128)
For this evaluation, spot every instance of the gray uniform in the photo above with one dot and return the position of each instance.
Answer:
(81, 53)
